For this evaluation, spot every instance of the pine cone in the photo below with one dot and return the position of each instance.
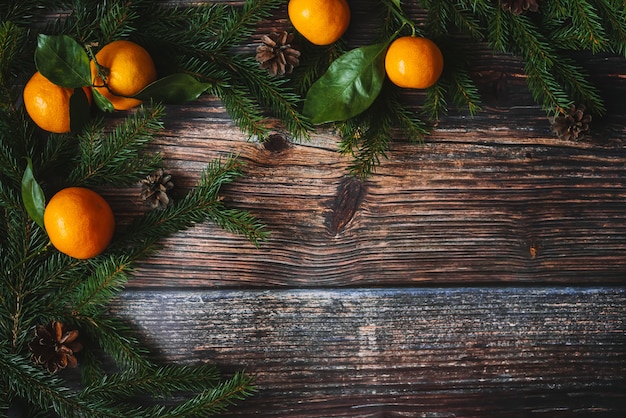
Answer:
(54, 347)
(573, 125)
(519, 6)
(155, 188)
(277, 54)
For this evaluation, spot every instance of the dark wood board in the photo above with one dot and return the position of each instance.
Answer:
(401, 352)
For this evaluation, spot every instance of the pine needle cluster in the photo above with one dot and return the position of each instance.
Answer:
(38, 284)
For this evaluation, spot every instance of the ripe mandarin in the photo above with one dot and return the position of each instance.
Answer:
(413, 62)
(79, 222)
(322, 22)
(128, 68)
(48, 104)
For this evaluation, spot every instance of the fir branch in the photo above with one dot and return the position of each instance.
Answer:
(272, 94)
(159, 382)
(465, 92)
(240, 26)
(498, 30)
(46, 391)
(539, 61)
(116, 20)
(374, 143)
(589, 31)
(242, 109)
(95, 291)
(201, 204)
(216, 400)
(438, 16)
(573, 78)
(435, 103)
(116, 338)
(466, 22)
(613, 13)
(117, 158)
(545, 89)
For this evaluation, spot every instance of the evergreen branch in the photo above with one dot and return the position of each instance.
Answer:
(47, 391)
(117, 158)
(240, 26)
(116, 339)
(244, 112)
(438, 16)
(465, 92)
(272, 94)
(590, 33)
(613, 12)
(539, 59)
(498, 30)
(216, 400)
(435, 103)
(413, 128)
(12, 44)
(201, 204)
(466, 22)
(116, 20)
(159, 382)
(373, 144)
(545, 89)
(573, 78)
(108, 278)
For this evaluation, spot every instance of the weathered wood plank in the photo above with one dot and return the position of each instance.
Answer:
(401, 352)
(480, 204)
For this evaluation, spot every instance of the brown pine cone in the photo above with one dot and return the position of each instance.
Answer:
(155, 188)
(573, 125)
(54, 347)
(276, 53)
(519, 6)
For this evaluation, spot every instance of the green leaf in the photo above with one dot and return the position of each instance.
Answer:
(174, 89)
(79, 110)
(63, 61)
(102, 102)
(349, 86)
(32, 195)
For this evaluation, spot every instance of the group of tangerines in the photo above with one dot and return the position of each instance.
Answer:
(79, 222)
(410, 61)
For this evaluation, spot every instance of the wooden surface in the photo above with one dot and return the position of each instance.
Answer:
(479, 274)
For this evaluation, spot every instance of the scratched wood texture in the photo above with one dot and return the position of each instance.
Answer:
(481, 273)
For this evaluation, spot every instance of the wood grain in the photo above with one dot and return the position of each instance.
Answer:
(401, 352)
(470, 205)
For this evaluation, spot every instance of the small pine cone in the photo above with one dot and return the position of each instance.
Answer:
(276, 53)
(54, 346)
(155, 188)
(572, 125)
(519, 6)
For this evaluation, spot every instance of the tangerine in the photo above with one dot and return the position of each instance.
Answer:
(48, 104)
(413, 62)
(79, 222)
(127, 68)
(321, 22)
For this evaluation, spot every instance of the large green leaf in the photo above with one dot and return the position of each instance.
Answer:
(349, 86)
(32, 195)
(62, 60)
(174, 89)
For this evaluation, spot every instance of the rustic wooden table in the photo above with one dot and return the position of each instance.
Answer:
(479, 274)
